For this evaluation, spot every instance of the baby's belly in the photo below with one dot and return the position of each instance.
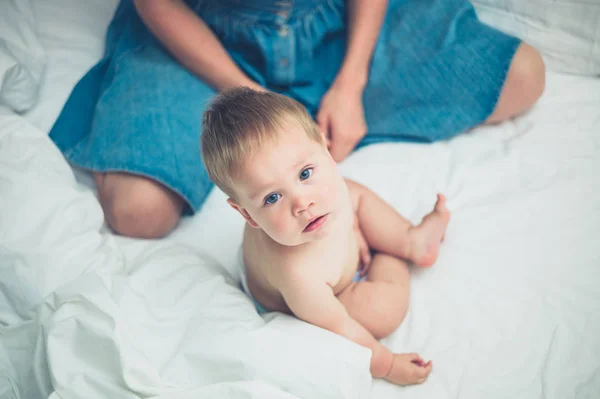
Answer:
(348, 271)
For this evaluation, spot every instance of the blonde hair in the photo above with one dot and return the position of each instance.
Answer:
(238, 121)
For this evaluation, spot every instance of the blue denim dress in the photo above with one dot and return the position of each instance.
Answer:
(436, 71)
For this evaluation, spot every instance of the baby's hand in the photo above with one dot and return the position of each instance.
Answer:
(408, 369)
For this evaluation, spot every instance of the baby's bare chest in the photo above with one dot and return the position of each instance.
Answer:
(337, 261)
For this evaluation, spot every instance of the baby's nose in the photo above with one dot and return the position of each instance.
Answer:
(302, 204)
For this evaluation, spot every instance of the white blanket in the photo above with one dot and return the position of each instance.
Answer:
(156, 317)
(565, 32)
(22, 58)
(509, 310)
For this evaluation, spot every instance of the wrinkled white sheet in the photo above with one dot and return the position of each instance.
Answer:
(511, 307)
(565, 32)
(128, 318)
(22, 57)
(509, 310)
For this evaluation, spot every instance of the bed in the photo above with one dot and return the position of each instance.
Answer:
(510, 309)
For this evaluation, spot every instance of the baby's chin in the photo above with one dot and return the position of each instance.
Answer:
(291, 242)
(297, 241)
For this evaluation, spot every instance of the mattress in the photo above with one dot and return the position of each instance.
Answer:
(510, 309)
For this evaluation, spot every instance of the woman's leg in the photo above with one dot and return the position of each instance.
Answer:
(524, 84)
(140, 135)
(136, 206)
(438, 71)
(144, 145)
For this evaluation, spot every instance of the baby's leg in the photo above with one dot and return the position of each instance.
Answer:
(387, 231)
(380, 304)
(427, 236)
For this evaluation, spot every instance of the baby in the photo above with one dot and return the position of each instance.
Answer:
(309, 232)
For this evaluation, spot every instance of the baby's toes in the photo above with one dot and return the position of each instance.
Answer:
(441, 202)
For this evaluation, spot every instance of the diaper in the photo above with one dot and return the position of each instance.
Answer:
(358, 278)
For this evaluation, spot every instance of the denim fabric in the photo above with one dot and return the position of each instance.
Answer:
(436, 71)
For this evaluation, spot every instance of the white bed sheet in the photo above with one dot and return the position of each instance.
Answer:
(84, 313)
(511, 309)
(22, 58)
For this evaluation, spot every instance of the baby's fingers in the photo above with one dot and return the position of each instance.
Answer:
(419, 361)
(422, 372)
(422, 369)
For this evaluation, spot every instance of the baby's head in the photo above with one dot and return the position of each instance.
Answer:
(265, 152)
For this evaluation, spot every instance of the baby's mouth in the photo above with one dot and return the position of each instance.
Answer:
(315, 224)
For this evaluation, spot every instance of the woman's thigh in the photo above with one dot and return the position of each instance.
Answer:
(436, 71)
(147, 122)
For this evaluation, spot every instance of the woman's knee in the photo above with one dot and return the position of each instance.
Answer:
(143, 215)
(145, 209)
(529, 73)
(525, 83)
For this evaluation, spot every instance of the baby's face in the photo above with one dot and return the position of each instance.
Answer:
(291, 189)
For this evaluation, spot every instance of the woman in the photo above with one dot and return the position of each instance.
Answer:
(367, 70)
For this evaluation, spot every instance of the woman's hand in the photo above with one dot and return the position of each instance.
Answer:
(341, 118)
(180, 29)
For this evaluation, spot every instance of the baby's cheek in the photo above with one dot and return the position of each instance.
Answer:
(333, 193)
(278, 227)
(281, 225)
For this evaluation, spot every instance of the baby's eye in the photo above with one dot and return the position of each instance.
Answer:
(306, 173)
(272, 198)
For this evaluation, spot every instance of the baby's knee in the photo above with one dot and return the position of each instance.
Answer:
(390, 310)
(142, 214)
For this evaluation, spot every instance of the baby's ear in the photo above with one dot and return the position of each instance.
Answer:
(242, 212)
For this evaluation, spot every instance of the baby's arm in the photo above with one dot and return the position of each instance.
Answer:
(313, 301)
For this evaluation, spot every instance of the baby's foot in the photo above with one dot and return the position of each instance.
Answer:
(408, 369)
(426, 237)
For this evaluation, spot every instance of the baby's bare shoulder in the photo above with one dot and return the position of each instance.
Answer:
(268, 256)
(292, 261)
(356, 190)
(295, 266)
